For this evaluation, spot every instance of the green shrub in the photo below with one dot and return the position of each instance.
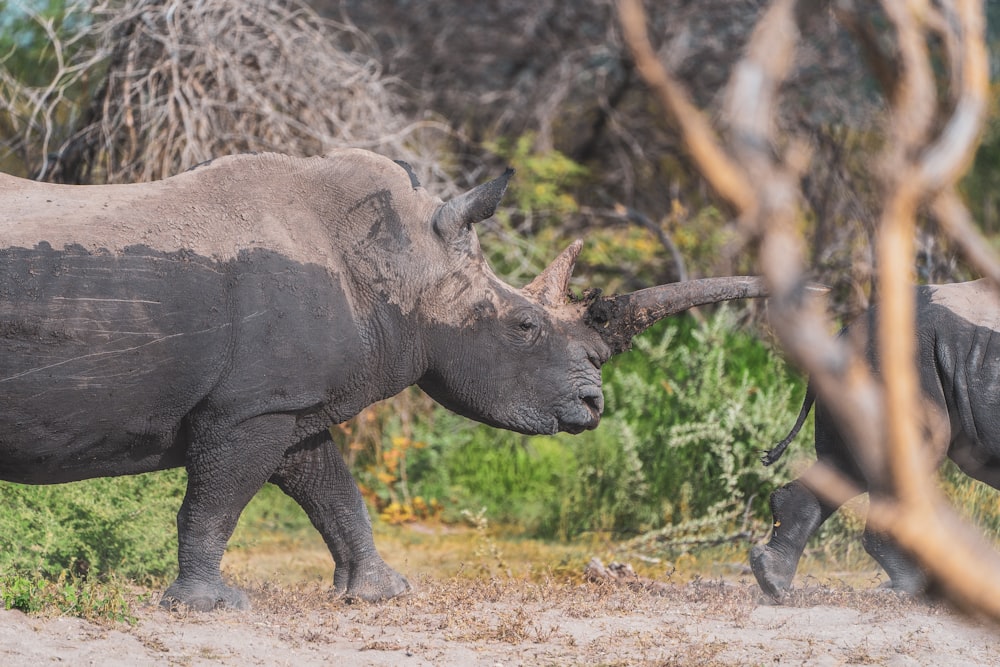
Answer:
(70, 595)
(124, 525)
(702, 402)
(688, 412)
(469, 466)
(975, 501)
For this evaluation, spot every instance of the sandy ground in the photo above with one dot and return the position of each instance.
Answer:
(513, 622)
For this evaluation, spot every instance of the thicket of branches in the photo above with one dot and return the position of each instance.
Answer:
(147, 88)
(562, 73)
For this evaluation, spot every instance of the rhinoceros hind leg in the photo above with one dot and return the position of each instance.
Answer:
(314, 474)
(773, 573)
(797, 513)
(905, 575)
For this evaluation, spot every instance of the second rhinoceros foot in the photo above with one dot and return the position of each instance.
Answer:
(773, 572)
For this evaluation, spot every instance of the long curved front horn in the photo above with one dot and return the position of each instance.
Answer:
(620, 318)
(471, 207)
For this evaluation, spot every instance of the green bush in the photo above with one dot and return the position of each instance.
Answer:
(125, 526)
(73, 596)
(688, 412)
(702, 402)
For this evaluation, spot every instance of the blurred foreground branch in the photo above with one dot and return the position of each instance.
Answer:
(927, 148)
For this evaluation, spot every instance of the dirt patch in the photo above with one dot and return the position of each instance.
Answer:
(515, 622)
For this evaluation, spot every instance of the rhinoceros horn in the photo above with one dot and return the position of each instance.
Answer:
(471, 207)
(552, 284)
(620, 318)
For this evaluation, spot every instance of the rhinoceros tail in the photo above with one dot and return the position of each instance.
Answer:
(772, 455)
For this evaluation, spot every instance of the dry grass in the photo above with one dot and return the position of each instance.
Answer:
(463, 615)
(562, 621)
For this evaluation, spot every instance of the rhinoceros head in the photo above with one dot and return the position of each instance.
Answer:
(530, 359)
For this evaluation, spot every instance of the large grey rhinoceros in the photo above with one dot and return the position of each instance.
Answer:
(958, 334)
(224, 318)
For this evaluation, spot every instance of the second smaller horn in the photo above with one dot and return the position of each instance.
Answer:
(552, 284)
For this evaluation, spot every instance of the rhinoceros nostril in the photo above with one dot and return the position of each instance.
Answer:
(594, 401)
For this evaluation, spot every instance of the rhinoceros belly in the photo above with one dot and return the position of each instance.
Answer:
(101, 357)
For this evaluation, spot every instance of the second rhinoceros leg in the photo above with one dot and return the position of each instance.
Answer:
(314, 474)
(226, 467)
(797, 513)
(905, 574)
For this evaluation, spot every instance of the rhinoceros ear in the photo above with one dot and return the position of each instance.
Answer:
(474, 206)
(552, 285)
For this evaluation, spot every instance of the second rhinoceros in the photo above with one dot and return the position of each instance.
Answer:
(958, 350)
(222, 319)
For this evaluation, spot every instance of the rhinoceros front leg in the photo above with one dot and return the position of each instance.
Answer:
(797, 512)
(226, 467)
(314, 474)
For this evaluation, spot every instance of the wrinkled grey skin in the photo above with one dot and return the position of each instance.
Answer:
(222, 319)
(959, 370)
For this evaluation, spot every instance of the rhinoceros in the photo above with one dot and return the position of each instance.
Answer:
(958, 335)
(222, 319)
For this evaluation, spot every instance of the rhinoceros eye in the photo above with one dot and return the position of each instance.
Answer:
(525, 326)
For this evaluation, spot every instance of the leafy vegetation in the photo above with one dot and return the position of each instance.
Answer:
(69, 595)
(96, 528)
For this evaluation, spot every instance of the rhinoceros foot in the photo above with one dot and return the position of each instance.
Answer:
(905, 575)
(203, 597)
(373, 582)
(773, 572)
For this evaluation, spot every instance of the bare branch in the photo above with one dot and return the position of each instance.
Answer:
(762, 178)
(955, 220)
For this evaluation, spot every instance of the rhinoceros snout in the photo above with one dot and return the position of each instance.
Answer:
(586, 413)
